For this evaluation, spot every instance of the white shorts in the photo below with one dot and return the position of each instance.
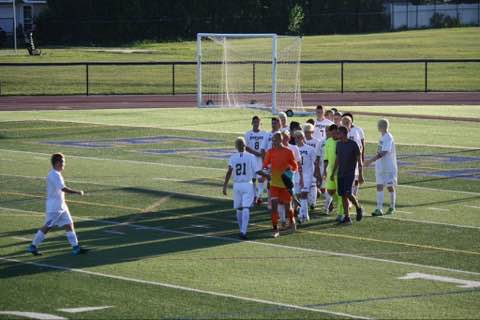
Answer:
(243, 195)
(388, 179)
(59, 219)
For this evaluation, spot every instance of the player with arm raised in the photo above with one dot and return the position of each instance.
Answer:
(254, 140)
(243, 167)
(307, 164)
(57, 212)
(280, 160)
(385, 168)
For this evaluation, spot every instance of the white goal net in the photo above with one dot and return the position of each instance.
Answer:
(249, 70)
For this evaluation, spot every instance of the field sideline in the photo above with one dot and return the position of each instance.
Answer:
(165, 241)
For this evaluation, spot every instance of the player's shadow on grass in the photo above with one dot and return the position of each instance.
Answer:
(204, 223)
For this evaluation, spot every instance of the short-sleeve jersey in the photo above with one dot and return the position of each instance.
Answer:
(244, 166)
(387, 163)
(255, 140)
(55, 196)
(330, 153)
(308, 157)
(279, 160)
(347, 153)
(320, 131)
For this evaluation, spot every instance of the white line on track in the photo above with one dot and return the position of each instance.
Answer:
(438, 209)
(177, 287)
(269, 244)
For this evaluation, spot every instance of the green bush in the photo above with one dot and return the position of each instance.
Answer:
(439, 20)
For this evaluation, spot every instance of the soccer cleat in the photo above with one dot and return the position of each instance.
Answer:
(390, 211)
(339, 218)
(33, 250)
(79, 250)
(312, 207)
(259, 202)
(359, 214)
(346, 221)
(275, 234)
(243, 236)
(377, 213)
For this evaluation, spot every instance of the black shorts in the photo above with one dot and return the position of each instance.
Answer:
(344, 185)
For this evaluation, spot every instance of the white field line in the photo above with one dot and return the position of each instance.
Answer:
(183, 288)
(114, 232)
(432, 222)
(83, 309)
(32, 315)
(472, 207)
(268, 244)
(119, 160)
(215, 169)
(213, 197)
(438, 209)
(22, 238)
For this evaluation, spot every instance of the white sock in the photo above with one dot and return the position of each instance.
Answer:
(328, 201)
(380, 200)
(245, 219)
(39, 236)
(304, 208)
(354, 189)
(239, 218)
(72, 238)
(393, 199)
(260, 189)
(312, 196)
(281, 212)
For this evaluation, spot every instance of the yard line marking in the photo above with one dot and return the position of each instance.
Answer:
(462, 283)
(437, 209)
(122, 160)
(73, 201)
(83, 309)
(114, 232)
(33, 315)
(473, 207)
(268, 244)
(407, 212)
(431, 222)
(156, 204)
(183, 288)
(22, 238)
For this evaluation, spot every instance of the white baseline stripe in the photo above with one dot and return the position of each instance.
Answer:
(268, 244)
(431, 222)
(173, 286)
(83, 309)
(33, 315)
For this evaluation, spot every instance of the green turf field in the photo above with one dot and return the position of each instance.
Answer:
(164, 239)
(457, 43)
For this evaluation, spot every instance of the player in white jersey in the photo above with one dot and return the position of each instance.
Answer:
(308, 157)
(57, 213)
(267, 141)
(385, 168)
(282, 116)
(316, 144)
(243, 167)
(321, 124)
(358, 136)
(254, 140)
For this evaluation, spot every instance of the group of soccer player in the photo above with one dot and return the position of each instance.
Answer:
(295, 164)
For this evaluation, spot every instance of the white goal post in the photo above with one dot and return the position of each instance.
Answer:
(249, 70)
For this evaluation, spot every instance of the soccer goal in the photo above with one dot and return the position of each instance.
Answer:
(249, 70)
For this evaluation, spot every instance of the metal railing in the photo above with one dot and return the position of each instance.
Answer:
(175, 83)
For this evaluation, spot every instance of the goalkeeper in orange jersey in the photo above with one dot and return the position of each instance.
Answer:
(281, 161)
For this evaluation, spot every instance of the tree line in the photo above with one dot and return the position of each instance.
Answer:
(119, 21)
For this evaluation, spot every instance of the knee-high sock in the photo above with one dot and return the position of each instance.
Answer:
(380, 200)
(281, 211)
(245, 219)
(72, 238)
(304, 208)
(393, 199)
(275, 219)
(239, 218)
(312, 196)
(260, 189)
(39, 236)
(328, 200)
(339, 202)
